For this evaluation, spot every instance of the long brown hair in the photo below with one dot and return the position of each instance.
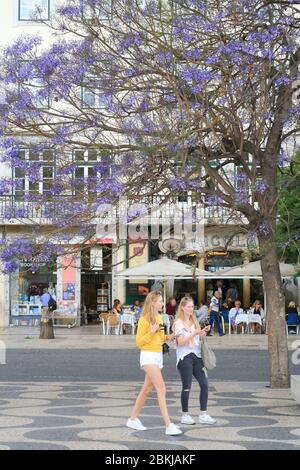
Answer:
(180, 313)
(148, 311)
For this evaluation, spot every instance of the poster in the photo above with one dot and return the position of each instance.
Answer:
(138, 255)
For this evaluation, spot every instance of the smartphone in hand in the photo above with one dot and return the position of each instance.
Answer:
(206, 328)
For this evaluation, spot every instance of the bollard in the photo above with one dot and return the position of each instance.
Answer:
(2, 353)
(296, 354)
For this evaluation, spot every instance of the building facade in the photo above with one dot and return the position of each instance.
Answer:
(85, 283)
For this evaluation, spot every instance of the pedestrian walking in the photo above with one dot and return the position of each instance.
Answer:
(189, 362)
(150, 338)
(214, 312)
(45, 302)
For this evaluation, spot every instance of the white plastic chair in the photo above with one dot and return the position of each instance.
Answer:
(128, 319)
(103, 321)
(292, 326)
(113, 323)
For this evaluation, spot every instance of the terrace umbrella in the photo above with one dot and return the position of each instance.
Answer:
(163, 269)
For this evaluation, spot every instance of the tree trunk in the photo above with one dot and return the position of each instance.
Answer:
(46, 331)
(276, 325)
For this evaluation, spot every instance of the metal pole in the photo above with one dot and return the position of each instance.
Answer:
(165, 296)
(265, 308)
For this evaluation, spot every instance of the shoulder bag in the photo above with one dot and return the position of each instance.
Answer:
(207, 354)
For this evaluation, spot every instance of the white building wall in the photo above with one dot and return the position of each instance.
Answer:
(11, 27)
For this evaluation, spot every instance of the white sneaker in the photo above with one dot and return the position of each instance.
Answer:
(173, 430)
(187, 419)
(206, 419)
(135, 424)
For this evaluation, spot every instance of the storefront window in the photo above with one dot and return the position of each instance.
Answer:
(27, 287)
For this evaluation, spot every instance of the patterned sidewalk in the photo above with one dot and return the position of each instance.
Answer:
(73, 415)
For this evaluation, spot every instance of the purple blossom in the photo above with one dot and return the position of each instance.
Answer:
(283, 80)
(130, 40)
(197, 75)
(5, 186)
(174, 147)
(284, 244)
(194, 54)
(164, 57)
(170, 99)
(213, 201)
(69, 11)
(261, 186)
(284, 159)
(264, 229)
(22, 46)
(177, 183)
(241, 198)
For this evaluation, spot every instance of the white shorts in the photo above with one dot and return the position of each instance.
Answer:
(150, 357)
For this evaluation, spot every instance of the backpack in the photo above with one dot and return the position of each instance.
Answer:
(52, 305)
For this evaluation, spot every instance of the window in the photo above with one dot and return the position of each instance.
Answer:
(19, 178)
(34, 88)
(33, 156)
(47, 180)
(34, 10)
(92, 155)
(93, 166)
(85, 176)
(93, 98)
(89, 155)
(48, 156)
(38, 94)
(80, 175)
(34, 187)
(183, 197)
(46, 172)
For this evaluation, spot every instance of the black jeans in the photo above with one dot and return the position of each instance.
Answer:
(192, 365)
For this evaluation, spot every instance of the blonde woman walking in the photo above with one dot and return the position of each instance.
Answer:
(150, 338)
(189, 362)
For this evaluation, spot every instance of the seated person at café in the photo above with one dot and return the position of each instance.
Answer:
(202, 312)
(117, 308)
(292, 317)
(236, 310)
(171, 307)
(257, 310)
(138, 311)
(227, 304)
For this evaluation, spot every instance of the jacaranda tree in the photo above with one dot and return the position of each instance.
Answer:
(174, 96)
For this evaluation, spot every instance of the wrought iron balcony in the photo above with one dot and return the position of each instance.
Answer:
(14, 211)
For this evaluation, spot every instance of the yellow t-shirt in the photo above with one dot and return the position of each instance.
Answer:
(148, 341)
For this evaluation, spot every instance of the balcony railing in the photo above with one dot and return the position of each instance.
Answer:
(14, 211)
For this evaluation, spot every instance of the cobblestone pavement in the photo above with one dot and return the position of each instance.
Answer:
(72, 415)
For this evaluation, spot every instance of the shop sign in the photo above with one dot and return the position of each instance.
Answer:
(38, 261)
(237, 241)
